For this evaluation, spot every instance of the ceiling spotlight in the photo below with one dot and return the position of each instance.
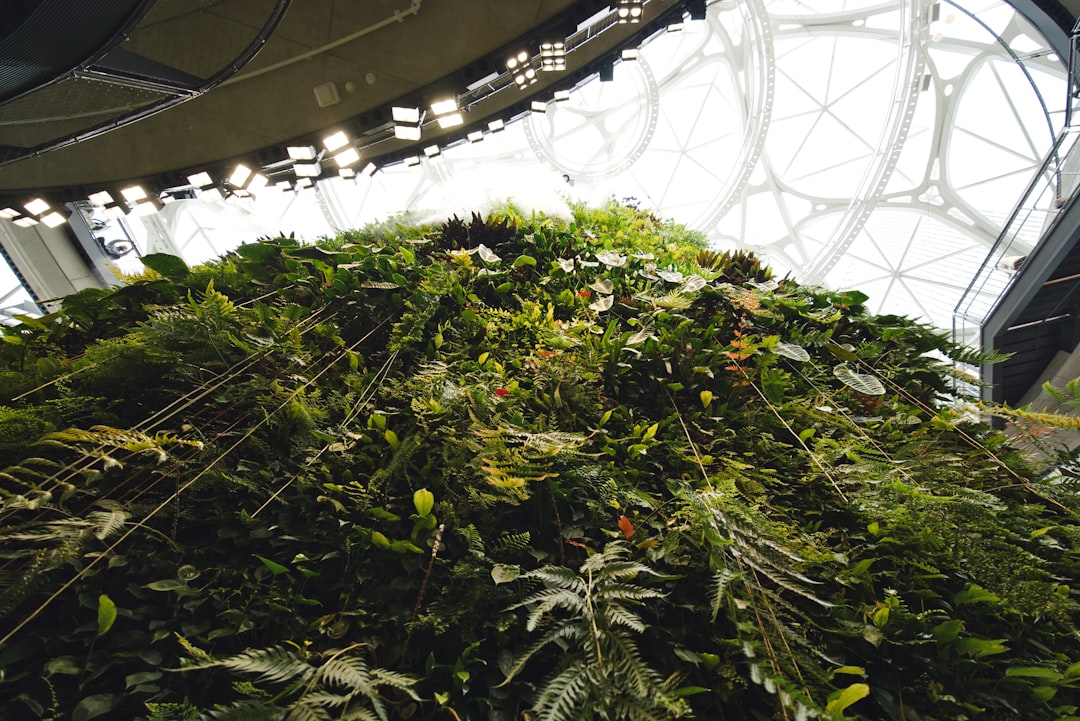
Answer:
(517, 60)
(257, 183)
(431, 151)
(525, 78)
(283, 185)
(369, 169)
(475, 136)
(406, 132)
(443, 107)
(8, 213)
(675, 27)
(37, 206)
(144, 209)
(300, 152)
(165, 198)
(133, 193)
(346, 173)
(450, 121)
(113, 211)
(302, 183)
(53, 219)
(239, 176)
(412, 160)
(629, 11)
(307, 170)
(630, 54)
(561, 96)
(24, 222)
(405, 115)
(496, 125)
(553, 56)
(539, 106)
(99, 199)
(210, 195)
(347, 157)
(335, 141)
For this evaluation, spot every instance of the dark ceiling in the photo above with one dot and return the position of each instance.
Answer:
(362, 57)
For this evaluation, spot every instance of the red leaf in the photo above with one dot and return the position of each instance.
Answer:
(501, 392)
(626, 526)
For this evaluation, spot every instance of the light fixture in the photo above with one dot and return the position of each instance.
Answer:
(347, 157)
(444, 107)
(675, 27)
(258, 182)
(516, 60)
(431, 151)
(538, 106)
(8, 213)
(24, 222)
(210, 195)
(525, 78)
(145, 208)
(412, 160)
(451, 120)
(369, 169)
(100, 199)
(113, 211)
(553, 56)
(346, 173)
(166, 198)
(405, 115)
(629, 11)
(37, 206)
(561, 96)
(240, 175)
(53, 219)
(475, 136)
(133, 193)
(630, 54)
(335, 141)
(302, 152)
(302, 183)
(283, 185)
(406, 132)
(307, 170)
(496, 125)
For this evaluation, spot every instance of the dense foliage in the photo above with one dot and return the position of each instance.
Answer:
(514, 467)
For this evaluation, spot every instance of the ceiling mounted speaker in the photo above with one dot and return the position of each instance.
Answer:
(327, 95)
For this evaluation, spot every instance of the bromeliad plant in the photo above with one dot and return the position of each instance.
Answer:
(535, 468)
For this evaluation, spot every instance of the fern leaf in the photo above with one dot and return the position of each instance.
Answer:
(346, 671)
(276, 664)
(246, 710)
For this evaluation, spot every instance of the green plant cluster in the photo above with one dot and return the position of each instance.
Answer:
(515, 467)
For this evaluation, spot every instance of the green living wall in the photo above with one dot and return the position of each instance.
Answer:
(515, 468)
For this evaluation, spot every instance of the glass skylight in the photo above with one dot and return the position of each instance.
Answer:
(851, 143)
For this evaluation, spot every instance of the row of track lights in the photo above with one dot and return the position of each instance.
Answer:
(307, 162)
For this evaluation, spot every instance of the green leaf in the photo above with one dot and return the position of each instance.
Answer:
(106, 614)
(524, 260)
(379, 540)
(1033, 672)
(141, 677)
(65, 665)
(853, 670)
(275, 568)
(391, 438)
(706, 398)
(94, 706)
(170, 266)
(650, 431)
(848, 696)
(947, 630)
(504, 573)
(168, 584)
(423, 500)
(258, 252)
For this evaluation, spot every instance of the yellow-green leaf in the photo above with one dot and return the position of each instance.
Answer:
(106, 614)
(423, 500)
(650, 431)
(391, 438)
(706, 398)
(379, 540)
(848, 696)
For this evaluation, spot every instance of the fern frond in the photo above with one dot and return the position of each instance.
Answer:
(276, 664)
(563, 697)
(246, 710)
(346, 671)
